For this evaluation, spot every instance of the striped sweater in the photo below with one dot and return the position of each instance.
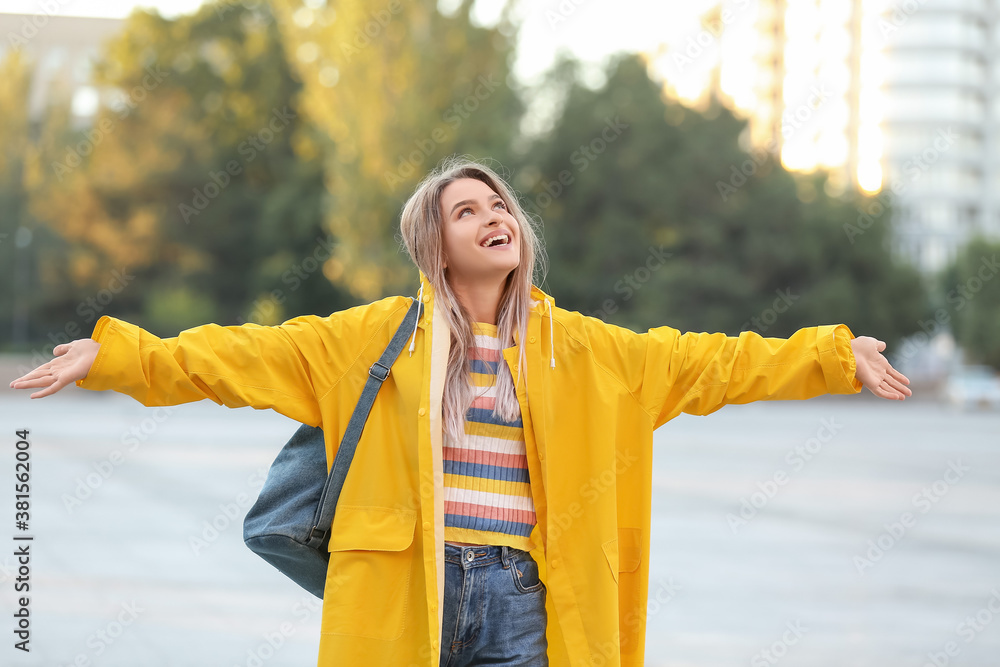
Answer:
(487, 491)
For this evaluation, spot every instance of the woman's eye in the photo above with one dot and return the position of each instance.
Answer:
(469, 210)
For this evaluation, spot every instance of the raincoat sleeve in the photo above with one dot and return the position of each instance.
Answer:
(698, 373)
(285, 367)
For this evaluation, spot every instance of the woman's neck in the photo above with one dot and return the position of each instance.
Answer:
(481, 300)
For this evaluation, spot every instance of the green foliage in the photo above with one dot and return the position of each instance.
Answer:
(396, 86)
(257, 168)
(971, 290)
(177, 308)
(766, 252)
(201, 176)
(14, 130)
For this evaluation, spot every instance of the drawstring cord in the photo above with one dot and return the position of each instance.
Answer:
(552, 344)
(420, 297)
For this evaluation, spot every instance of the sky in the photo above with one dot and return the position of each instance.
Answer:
(589, 29)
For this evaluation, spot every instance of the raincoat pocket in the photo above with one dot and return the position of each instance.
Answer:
(623, 552)
(368, 582)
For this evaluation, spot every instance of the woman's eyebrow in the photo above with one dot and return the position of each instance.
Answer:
(466, 202)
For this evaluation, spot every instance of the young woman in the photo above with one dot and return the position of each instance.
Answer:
(498, 508)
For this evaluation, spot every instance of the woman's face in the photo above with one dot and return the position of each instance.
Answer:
(473, 215)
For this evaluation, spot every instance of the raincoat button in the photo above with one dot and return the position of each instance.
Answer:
(421, 412)
(427, 525)
(531, 340)
(555, 563)
(427, 298)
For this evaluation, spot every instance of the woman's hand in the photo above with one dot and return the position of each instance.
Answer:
(874, 371)
(72, 362)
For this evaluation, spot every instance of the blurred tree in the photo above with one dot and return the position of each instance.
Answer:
(198, 195)
(397, 86)
(31, 254)
(15, 77)
(654, 214)
(971, 290)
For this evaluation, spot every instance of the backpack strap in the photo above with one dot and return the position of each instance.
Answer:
(377, 374)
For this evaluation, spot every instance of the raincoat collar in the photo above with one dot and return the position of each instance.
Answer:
(541, 303)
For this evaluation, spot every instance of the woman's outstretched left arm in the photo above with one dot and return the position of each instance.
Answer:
(698, 373)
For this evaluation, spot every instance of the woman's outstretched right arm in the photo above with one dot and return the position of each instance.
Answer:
(250, 365)
(288, 368)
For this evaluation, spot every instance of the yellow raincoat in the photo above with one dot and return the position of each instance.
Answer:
(595, 393)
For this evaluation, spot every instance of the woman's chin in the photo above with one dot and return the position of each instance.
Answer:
(500, 264)
(497, 273)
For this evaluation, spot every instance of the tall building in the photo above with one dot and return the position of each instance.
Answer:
(795, 68)
(807, 92)
(888, 95)
(940, 125)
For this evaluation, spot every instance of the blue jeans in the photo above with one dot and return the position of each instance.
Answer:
(494, 608)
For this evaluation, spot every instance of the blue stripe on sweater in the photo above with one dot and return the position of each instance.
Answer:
(484, 367)
(485, 416)
(491, 525)
(486, 471)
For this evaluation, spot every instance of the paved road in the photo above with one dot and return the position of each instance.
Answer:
(120, 580)
(882, 540)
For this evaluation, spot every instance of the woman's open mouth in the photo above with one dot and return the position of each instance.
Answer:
(496, 241)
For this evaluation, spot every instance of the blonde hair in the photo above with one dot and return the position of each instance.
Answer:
(420, 225)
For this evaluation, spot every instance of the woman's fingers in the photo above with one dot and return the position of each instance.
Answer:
(898, 376)
(898, 386)
(42, 381)
(48, 368)
(882, 392)
(38, 372)
(51, 389)
(898, 382)
(891, 395)
(48, 383)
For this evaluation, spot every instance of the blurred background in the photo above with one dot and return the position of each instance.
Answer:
(725, 166)
(797, 161)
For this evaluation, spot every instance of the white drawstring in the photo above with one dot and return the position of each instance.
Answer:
(552, 344)
(414, 339)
